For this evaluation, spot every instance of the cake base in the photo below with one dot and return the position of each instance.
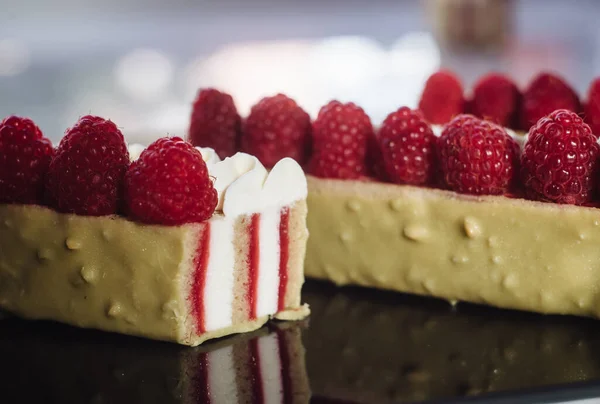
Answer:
(504, 252)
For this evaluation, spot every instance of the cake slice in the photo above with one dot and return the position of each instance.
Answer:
(185, 282)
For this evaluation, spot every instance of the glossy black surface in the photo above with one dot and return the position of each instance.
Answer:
(362, 346)
(374, 346)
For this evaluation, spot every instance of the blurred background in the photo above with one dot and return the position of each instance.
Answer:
(141, 62)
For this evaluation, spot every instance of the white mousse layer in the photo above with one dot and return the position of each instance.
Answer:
(219, 286)
(268, 263)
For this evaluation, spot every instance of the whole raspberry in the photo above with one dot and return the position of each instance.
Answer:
(215, 122)
(169, 184)
(477, 157)
(545, 94)
(276, 128)
(340, 135)
(442, 98)
(497, 99)
(560, 159)
(25, 155)
(592, 107)
(408, 147)
(86, 174)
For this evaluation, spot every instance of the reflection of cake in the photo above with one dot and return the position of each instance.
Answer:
(383, 348)
(216, 247)
(58, 364)
(492, 250)
(466, 211)
(265, 369)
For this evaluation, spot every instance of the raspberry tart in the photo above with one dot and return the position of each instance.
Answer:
(165, 242)
(489, 197)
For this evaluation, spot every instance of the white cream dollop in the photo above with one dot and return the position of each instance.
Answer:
(245, 186)
(232, 169)
(209, 155)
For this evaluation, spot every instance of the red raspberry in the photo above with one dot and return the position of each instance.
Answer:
(496, 98)
(86, 175)
(276, 128)
(169, 184)
(545, 94)
(560, 159)
(340, 135)
(442, 98)
(469, 106)
(408, 147)
(215, 122)
(592, 107)
(25, 155)
(477, 157)
(374, 159)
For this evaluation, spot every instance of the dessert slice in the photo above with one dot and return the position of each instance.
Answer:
(184, 270)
